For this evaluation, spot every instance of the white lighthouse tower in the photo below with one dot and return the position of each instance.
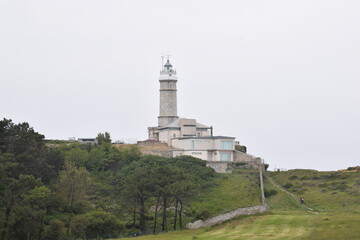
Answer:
(168, 98)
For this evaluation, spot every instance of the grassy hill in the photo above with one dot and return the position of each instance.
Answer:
(274, 226)
(230, 191)
(334, 196)
(323, 191)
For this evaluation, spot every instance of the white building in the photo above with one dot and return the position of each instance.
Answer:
(211, 148)
(186, 136)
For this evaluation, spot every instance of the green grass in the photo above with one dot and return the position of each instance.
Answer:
(281, 201)
(338, 218)
(324, 191)
(230, 191)
(275, 226)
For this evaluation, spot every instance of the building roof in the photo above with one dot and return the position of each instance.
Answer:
(176, 124)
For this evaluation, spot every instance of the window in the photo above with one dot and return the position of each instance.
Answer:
(226, 145)
(225, 156)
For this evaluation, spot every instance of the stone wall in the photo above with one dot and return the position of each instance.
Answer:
(227, 216)
(166, 153)
(152, 144)
(248, 160)
(219, 167)
(155, 148)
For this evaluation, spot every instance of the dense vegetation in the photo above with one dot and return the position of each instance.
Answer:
(63, 190)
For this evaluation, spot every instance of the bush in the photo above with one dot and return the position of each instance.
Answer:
(298, 190)
(288, 185)
(266, 166)
(55, 230)
(268, 193)
(353, 168)
(203, 215)
(293, 177)
(240, 164)
(97, 224)
(341, 186)
(240, 148)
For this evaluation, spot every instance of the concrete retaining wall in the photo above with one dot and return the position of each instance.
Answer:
(219, 167)
(248, 160)
(167, 154)
(227, 216)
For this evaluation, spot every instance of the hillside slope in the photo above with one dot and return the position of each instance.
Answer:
(323, 191)
(333, 194)
(230, 191)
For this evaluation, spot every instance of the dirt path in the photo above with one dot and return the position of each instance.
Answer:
(290, 194)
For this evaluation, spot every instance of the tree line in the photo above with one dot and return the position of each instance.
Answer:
(63, 190)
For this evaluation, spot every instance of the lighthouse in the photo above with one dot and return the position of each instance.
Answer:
(168, 96)
(178, 136)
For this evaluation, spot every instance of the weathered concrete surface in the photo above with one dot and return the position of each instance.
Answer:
(227, 216)
(219, 167)
(248, 160)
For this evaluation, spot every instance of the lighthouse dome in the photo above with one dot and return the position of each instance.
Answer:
(168, 64)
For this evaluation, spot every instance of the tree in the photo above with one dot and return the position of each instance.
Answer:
(103, 138)
(55, 158)
(182, 190)
(165, 178)
(78, 156)
(97, 159)
(132, 154)
(27, 146)
(16, 210)
(55, 230)
(22, 163)
(97, 224)
(163, 183)
(38, 199)
(137, 188)
(73, 187)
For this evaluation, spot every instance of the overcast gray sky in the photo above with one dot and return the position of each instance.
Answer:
(280, 76)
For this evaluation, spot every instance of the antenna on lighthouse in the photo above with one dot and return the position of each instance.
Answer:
(162, 62)
(168, 56)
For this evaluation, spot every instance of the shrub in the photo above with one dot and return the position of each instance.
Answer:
(268, 193)
(55, 229)
(341, 186)
(240, 164)
(298, 190)
(266, 166)
(203, 215)
(357, 183)
(288, 185)
(95, 224)
(353, 168)
(240, 148)
(293, 177)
